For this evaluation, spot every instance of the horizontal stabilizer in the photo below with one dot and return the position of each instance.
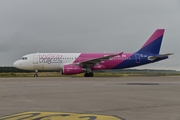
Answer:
(160, 56)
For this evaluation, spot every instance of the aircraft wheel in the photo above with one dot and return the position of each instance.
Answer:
(35, 75)
(91, 74)
(88, 74)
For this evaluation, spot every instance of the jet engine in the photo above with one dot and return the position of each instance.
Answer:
(71, 69)
(98, 67)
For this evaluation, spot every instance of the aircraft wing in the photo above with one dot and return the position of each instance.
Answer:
(92, 62)
(160, 56)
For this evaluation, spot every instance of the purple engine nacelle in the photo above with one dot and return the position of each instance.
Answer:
(98, 67)
(71, 69)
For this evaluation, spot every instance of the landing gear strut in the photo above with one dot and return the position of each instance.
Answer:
(36, 73)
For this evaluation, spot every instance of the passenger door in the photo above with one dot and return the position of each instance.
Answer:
(35, 59)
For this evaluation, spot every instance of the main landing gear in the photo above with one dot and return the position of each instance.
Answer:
(36, 73)
(89, 72)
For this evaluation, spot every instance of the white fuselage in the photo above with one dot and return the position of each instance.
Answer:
(45, 61)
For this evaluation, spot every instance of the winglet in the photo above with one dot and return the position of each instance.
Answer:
(120, 53)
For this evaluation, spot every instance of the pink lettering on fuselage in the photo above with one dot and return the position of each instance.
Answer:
(50, 58)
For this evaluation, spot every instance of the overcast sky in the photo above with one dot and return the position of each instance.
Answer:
(30, 26)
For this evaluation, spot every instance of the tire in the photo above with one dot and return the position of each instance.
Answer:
(89, 74)
(35, 75)
(86, 75)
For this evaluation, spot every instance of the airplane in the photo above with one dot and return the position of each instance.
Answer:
(75, 63)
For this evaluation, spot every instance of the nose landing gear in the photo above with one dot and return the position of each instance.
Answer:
(36, 73)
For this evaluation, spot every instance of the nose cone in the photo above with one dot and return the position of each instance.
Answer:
(17, 64)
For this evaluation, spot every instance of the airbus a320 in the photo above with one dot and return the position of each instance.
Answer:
(75, 63)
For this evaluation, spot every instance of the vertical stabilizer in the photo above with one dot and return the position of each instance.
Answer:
(153, 44)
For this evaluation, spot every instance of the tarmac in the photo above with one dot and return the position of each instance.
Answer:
(97, 98)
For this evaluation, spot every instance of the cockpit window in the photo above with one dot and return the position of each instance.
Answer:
(24, 58)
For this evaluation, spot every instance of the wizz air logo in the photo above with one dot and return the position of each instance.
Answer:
(50, 58)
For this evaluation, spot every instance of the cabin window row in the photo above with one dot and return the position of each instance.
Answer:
(118, 58)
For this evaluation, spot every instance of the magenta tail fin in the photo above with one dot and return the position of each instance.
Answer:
(153, 44)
